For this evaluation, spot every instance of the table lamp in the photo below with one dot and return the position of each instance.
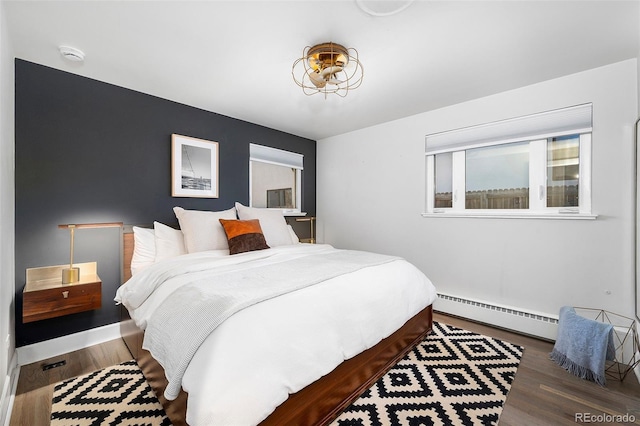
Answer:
(311, 220)
(72, 274)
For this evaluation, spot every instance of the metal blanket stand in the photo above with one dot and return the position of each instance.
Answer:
(625, 339)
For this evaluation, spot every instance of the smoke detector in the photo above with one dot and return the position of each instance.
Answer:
(71, 53)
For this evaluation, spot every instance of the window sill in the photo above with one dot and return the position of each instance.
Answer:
(285, 212)
(514, 215)
(291, 213)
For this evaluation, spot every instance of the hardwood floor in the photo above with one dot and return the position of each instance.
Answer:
(545, 394)
(542, 393)
(32, 405)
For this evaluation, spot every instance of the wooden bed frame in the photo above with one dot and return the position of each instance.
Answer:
(318, 403)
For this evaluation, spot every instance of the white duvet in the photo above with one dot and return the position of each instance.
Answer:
(258, 356)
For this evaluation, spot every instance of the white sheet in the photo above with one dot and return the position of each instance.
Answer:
(251, 363)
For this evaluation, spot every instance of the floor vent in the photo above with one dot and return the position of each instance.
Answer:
(54, 365)
(491, 307)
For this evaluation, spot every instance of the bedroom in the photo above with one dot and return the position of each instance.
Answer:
(528, 266)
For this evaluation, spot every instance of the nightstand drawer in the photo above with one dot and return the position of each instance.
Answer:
(63, 300)
(45, 296)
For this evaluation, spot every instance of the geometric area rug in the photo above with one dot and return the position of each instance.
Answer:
(117, 395)
(452, 377)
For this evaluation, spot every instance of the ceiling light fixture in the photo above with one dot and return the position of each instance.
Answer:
(328, 68)
(71, 53)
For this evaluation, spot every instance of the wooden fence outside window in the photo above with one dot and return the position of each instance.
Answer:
(514, 198)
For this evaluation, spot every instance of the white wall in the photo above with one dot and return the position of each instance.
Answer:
(371, 193)
(7, 281)
(637, 218)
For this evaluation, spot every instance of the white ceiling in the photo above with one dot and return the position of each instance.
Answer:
(235, 57)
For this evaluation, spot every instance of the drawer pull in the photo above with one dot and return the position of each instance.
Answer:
(65, 294)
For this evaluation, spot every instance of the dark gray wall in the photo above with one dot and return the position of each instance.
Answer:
(88, 151)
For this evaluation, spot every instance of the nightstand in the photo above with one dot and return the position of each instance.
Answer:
(45, 296)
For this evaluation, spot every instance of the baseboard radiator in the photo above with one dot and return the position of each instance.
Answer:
(508, 317)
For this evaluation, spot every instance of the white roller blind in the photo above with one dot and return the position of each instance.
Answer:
(565, 121)
(276, 156)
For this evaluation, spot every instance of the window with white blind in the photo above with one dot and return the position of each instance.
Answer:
(532, 166)
(275, 179)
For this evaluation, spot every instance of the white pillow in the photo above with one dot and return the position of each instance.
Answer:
(202, 229)
(144, 249)
(169, 242)
(294, 236)
(273, 224)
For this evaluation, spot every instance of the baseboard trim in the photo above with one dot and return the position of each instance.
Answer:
(523, 321)
(9, 390)
(65, 344)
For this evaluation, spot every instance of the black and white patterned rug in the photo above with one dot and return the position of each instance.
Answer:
(453, 377)
(117, 395)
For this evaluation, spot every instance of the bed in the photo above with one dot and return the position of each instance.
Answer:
(286, 359)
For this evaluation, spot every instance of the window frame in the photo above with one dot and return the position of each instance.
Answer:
(283, 158)
(537, 177)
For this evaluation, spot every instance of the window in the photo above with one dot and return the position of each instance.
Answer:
(444, 180)
(275, 179)
(497, 177)
(529, 166)
(563, 171)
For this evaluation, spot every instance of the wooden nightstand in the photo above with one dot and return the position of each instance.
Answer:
(45, 296)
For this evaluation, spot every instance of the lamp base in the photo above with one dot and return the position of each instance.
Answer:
(70, 275)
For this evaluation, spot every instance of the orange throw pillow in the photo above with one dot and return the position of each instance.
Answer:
(244, 235)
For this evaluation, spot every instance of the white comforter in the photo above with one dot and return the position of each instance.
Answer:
(257, 357)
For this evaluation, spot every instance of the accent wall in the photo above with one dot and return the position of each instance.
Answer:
(88, 151)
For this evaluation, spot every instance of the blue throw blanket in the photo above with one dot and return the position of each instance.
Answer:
(583, 345)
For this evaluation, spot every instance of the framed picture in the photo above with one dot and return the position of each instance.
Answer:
(194, 167)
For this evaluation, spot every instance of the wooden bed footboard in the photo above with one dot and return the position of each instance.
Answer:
(323, 400)
(318, 403)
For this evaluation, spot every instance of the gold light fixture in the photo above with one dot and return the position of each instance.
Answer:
(311, 220)
(72, 274)
(328, 68)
